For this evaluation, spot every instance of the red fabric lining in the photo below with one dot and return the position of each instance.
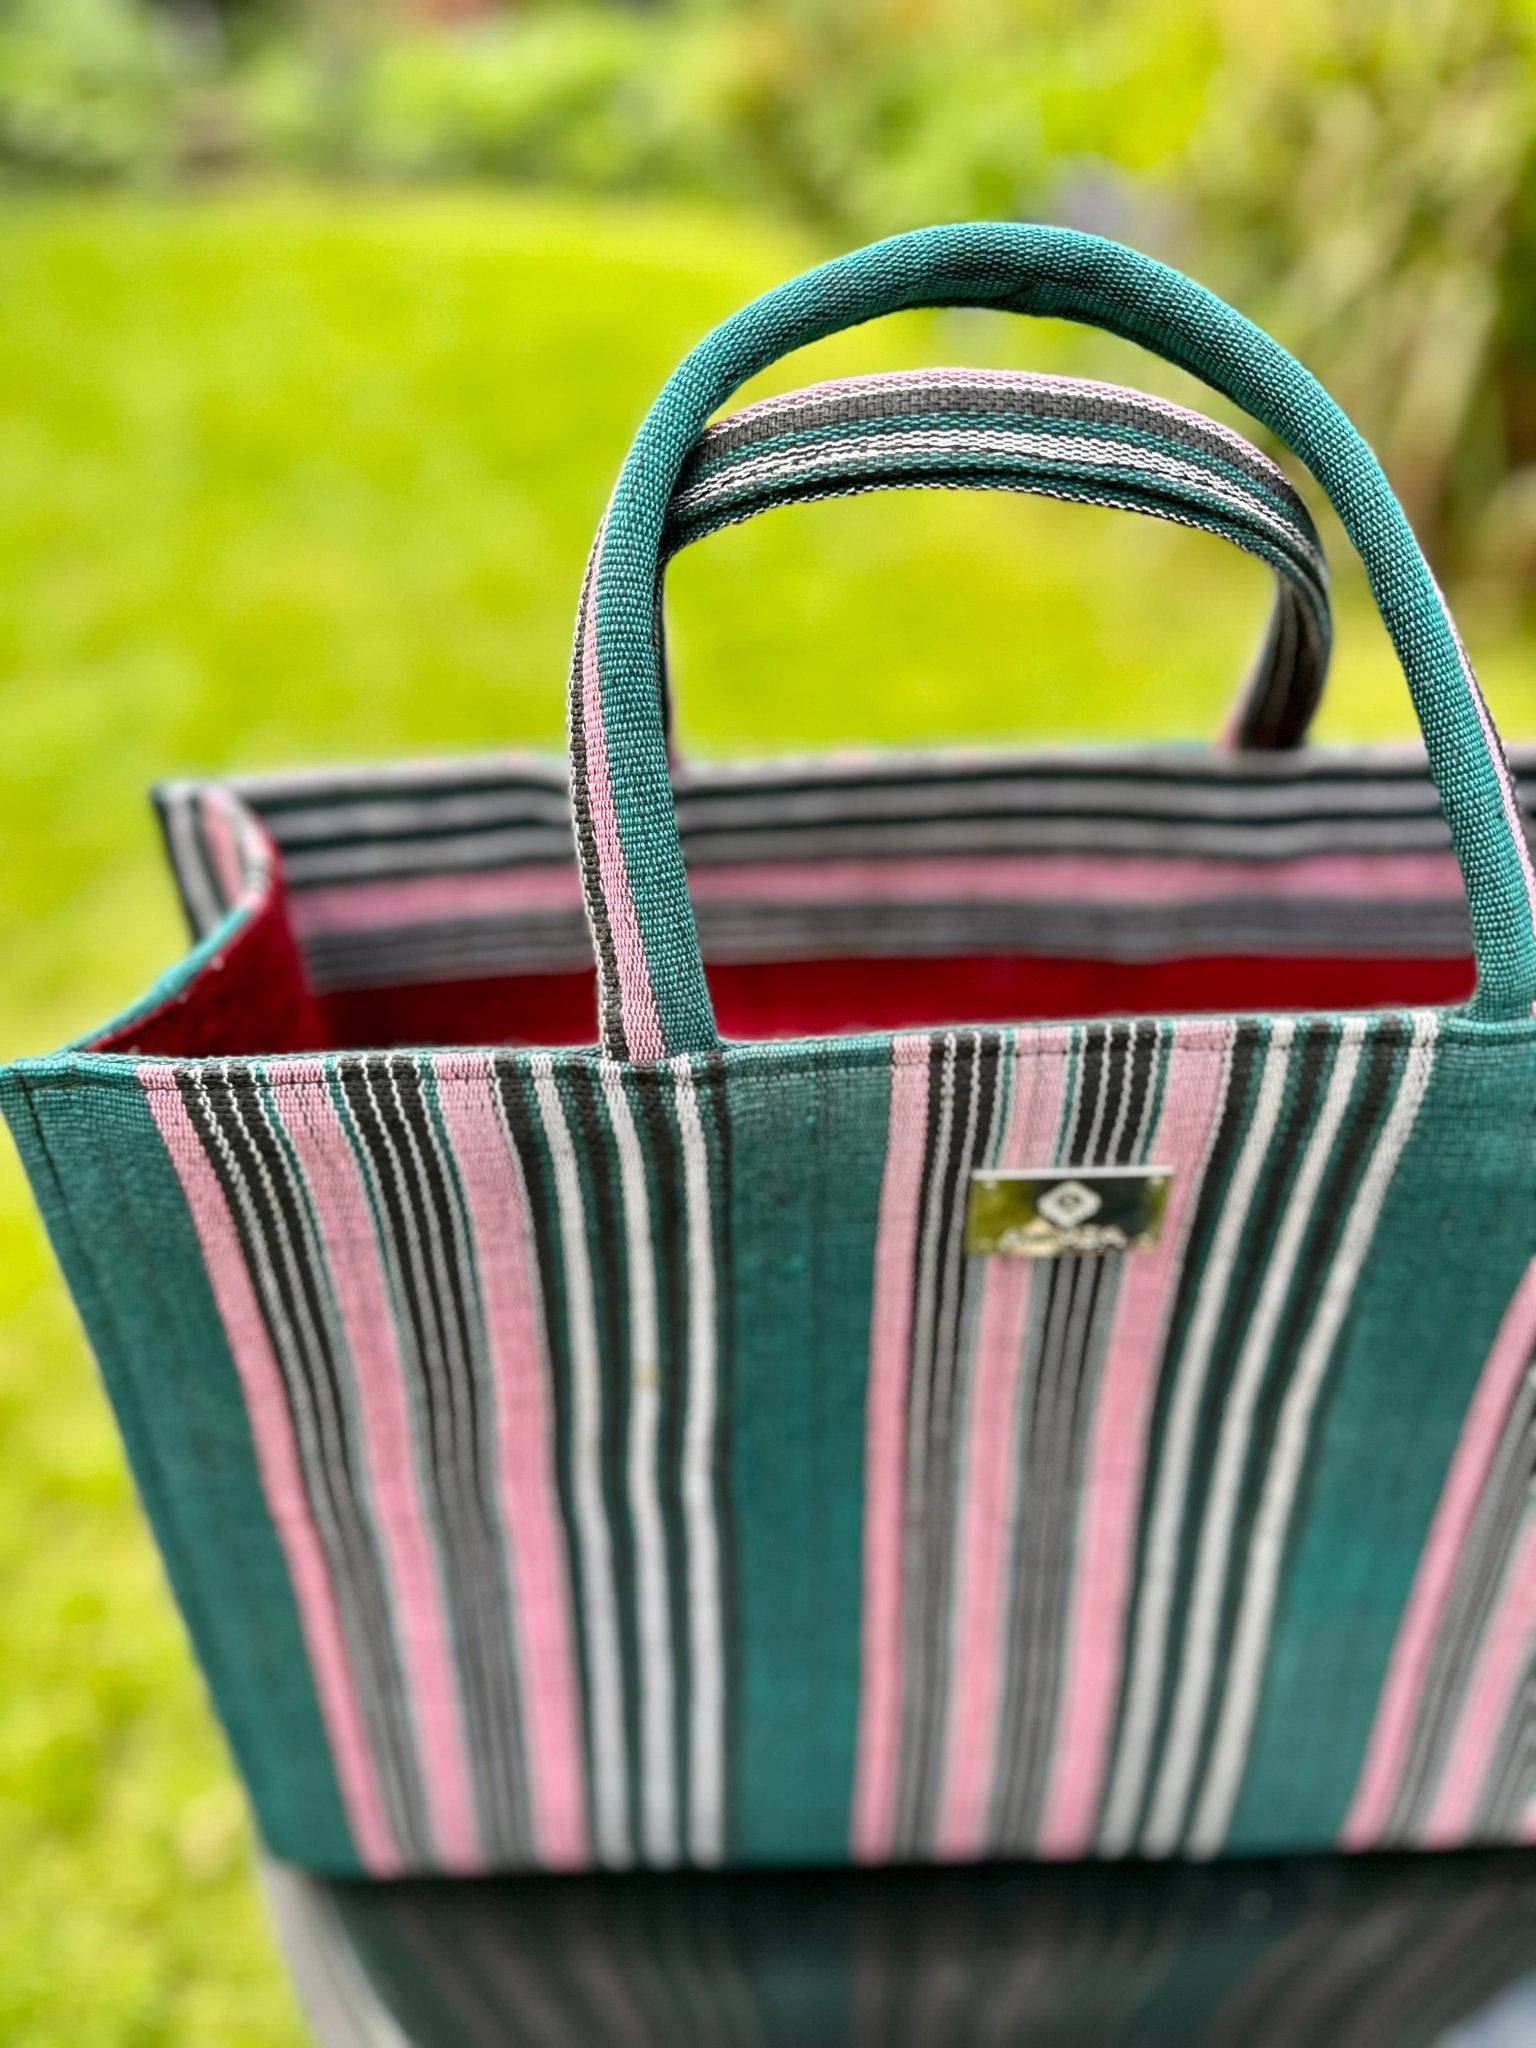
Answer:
(251, 1005)
(254, 997)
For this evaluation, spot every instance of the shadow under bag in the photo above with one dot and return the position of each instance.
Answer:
(882, 1430)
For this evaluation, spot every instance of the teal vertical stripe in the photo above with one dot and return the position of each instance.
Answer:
(1452, 1242)
(807, 1150)
(125, 1240)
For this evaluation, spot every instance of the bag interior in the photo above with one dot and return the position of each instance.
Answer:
(440, 903)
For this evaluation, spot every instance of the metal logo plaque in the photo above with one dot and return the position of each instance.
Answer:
(1046, 1212)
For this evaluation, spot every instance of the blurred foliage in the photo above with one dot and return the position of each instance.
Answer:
(1360, 178)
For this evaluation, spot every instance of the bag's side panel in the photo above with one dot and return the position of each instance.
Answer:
(1406, 1630)
(808, 1151)
(120, 1227)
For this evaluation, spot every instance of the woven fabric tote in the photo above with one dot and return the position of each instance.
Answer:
(866, 1427)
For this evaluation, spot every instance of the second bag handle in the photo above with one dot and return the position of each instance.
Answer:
(1059, 437)
(653, 996)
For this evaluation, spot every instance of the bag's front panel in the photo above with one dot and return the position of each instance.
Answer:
(657, 1477)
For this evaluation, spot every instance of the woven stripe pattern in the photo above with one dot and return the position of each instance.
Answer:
(443, 871)
(1057, 437)
(568, 1461)
(536, 1353)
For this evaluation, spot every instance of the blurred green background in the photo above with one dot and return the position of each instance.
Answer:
(322, 333)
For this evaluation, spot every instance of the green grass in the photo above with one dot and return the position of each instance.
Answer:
(286, 478)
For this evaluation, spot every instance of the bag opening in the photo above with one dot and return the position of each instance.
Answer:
(441, 904)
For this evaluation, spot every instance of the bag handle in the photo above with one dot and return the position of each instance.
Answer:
(1057, 437)
(653, 997)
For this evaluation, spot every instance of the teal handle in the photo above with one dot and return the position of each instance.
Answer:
(653, 998)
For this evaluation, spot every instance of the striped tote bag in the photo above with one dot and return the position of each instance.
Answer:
(871, 1309)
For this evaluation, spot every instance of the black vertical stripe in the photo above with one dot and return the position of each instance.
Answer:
(444, 1349)
(242, 1150)
(598, 1167)
(660, 1144)
(976, 1091)
(1376, 1085)
(971, 1062)
(1066, 1351)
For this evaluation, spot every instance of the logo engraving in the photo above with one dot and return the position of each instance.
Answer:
(1048, 1213)
(1068, 1205)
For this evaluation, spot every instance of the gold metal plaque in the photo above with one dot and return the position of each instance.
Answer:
(1048, 1211)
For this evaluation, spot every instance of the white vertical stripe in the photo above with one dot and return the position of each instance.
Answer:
(658, 1762)
(1214, 1558)
(600, 1627)
(1245, 1670)
(706, 1705)
(1159, 1573)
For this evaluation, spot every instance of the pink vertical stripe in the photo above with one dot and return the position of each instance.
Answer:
(525, 1448)
(1116, 1464)
(220, 836)
(885, 1453)
(637, 1001)
(1502, 1664)
(282, 1484)
(987, 1496)
(1387, 1751)
(399, 1518)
